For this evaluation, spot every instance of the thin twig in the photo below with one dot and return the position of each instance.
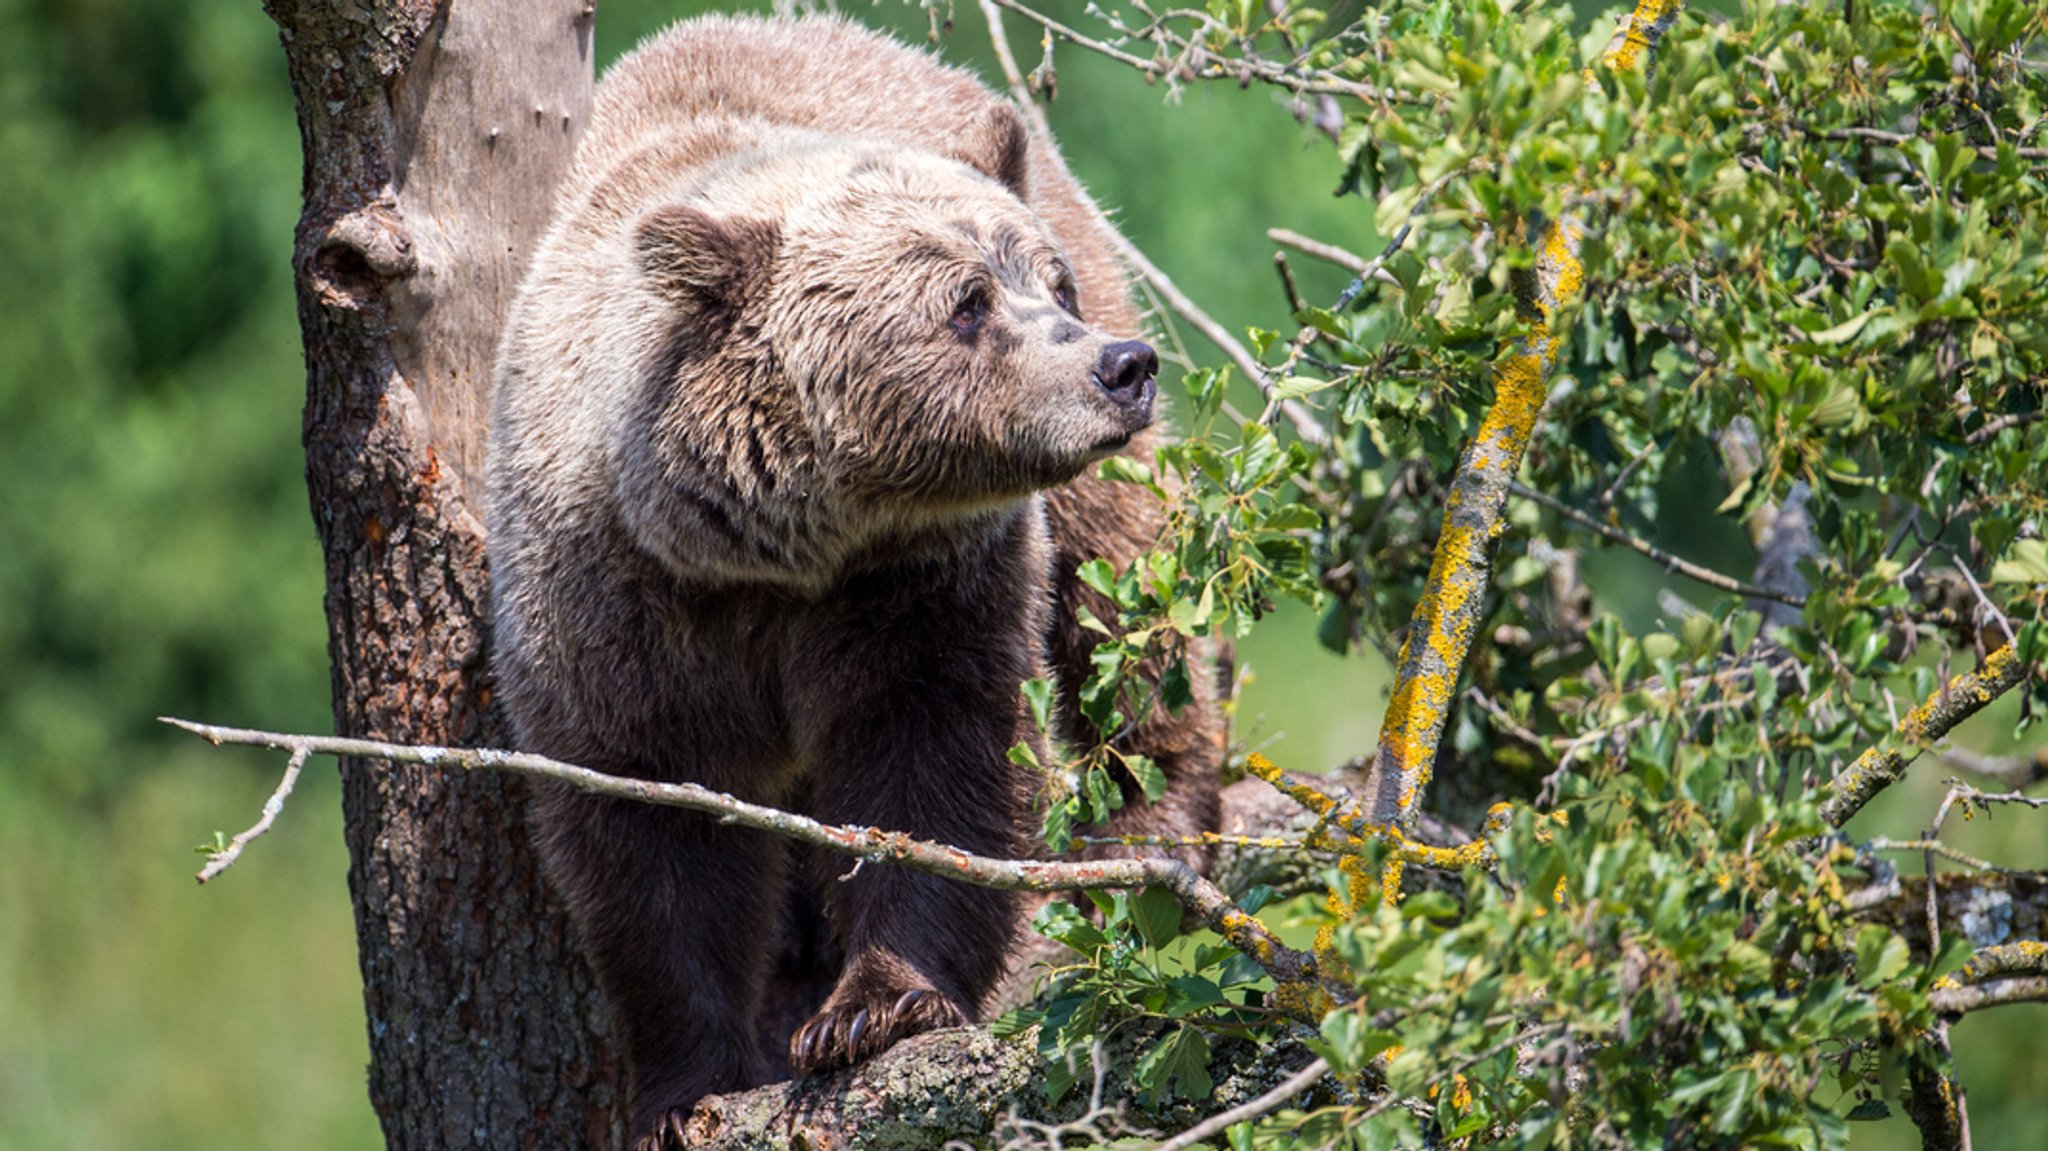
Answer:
(2014, 771)
(1216, 1124)
(1993, 610)
(1197, 895)
(1671, 562)
(1198, 64)
(1351, 262)
(1896, 139)
(1992, 427)
(219, 861)
(1936, 847)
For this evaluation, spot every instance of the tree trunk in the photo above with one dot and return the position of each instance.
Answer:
(434, 134)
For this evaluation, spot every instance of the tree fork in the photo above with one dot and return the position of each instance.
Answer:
(434, 133)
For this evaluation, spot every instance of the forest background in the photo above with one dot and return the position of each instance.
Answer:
(157, 557)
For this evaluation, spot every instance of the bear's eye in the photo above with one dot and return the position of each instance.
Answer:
(971, 311)
(1063, 295)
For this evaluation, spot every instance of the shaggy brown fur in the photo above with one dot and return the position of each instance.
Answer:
(774, 409)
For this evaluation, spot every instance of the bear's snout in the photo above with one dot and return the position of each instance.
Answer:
(1125, 373)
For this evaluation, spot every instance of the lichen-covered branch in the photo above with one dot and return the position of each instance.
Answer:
(1454, 596)
(1989, 909)
(1639, 33)
(2026, 957)
(1200, 898)
(1883, 765)
(1934, 1099)
(1997, 993)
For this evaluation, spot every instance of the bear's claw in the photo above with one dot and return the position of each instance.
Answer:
(667, 1133)
(850, 1032)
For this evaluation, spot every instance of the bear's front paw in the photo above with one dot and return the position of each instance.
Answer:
(850, 1031)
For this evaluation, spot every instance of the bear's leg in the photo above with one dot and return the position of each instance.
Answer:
(679, 917)
(909, 732)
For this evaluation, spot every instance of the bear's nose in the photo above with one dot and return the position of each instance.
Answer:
(1125, 374)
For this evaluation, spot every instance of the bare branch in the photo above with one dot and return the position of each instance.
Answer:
(1992, 610)
(1998, 424)
(1883, 765)
(1357, 265)
(1897, 139)
(1216, 1124)
(1934, 847)
(2014, 771)
(1197, 895)
(1671, 562)
(219, 861)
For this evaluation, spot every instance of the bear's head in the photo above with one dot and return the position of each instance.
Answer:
(896, 319)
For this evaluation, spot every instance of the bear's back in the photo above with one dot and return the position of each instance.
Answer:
(819, 73)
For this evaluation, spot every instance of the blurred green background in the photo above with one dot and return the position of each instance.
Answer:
(157, 557)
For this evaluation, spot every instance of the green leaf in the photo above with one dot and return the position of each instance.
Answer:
(1010, 1024)
(1255, 897)
(1189, 994)
(1150, 778)
(1097, 573)
(1059, 1079)
(1126, 470)
(1177, 1066)
(2026, 562)
(1038, 693)
(1156, 914)
(1845, 331)
(1059, 922)
(1295, 387)
(1057, 829)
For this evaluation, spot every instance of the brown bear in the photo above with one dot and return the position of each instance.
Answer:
(793, 434)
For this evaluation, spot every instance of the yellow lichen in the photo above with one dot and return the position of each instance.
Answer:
(1302, 999)
(1634, 38)
(1301, 793)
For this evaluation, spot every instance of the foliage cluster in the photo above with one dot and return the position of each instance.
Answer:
(1813, 319)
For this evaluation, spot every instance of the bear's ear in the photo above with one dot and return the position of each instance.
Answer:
(707, 262)
(996, 145)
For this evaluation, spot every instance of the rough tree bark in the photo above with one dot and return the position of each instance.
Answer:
(433, 133)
